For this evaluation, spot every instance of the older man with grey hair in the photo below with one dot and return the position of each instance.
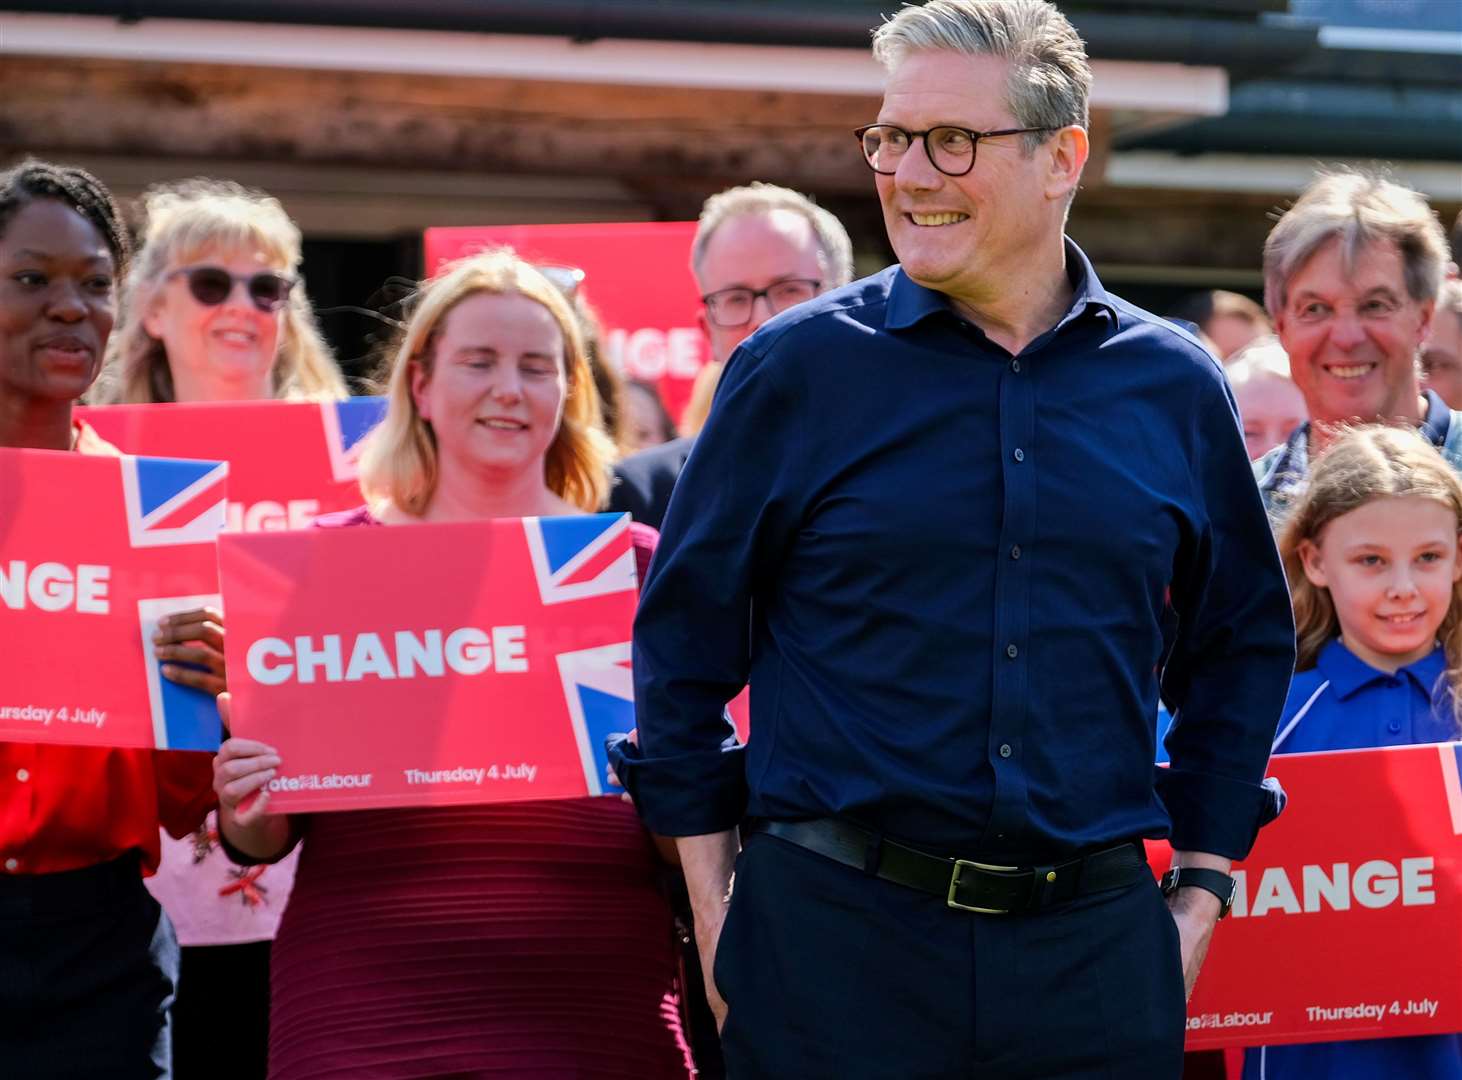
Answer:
(1351, 276)
(758, 250)
(934, 520)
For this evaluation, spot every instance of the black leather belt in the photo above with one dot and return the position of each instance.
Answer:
(987, 888)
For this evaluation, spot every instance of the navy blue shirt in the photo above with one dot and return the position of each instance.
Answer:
(944, 571)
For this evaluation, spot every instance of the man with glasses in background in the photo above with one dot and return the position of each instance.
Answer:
(933, 519)
(758, 250)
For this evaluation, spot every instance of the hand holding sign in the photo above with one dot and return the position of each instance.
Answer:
(191, 643)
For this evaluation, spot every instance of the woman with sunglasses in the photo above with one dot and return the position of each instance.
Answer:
(88, 961)
(505, 940)
(214, 310)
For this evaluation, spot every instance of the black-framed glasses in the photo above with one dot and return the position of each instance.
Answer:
(730, 308)
(950, 149)
(212, 285)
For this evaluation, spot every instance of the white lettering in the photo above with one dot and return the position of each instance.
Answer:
(1333, 888)
(262, 650)
(1416, 882)
(1375, 884)
(1275, 891)
(308, 658)
(368, 658)
(468, 650)
(51, 586)
(683, 344)
(424, 652)
(270, 516)
(508, 646)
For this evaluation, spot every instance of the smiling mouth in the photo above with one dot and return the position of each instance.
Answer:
(504, 425)
(236, 337)
(1350, 371)
(1401, 620)
(935, 220)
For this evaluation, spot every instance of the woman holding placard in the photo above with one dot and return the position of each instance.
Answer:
(214, 310)
(88, 961)
(517, 938)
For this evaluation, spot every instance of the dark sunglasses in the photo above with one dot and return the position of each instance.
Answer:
(212, 285)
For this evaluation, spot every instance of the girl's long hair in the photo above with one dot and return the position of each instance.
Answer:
(1366, 463)
(399, 463)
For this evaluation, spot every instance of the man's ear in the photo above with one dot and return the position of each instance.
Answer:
(1309, 553)
(1069, 150)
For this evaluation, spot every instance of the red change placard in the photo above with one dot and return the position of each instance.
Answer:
(432, 664)
(289, 461)
(1348, 922)
(92, 551)
(637, 276)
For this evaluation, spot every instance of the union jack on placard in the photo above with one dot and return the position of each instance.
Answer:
(1451, 754)
(347, 423)
(171, 501)
(599, 689)
(580, 556)
(182, 718)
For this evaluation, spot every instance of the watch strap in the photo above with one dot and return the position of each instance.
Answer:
(1217, 882)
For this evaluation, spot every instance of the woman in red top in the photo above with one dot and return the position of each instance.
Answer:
(87, 959)
(514, 940)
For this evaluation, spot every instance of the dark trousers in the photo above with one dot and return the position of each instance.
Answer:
(88, 962)
(221, 984)
(829, 972)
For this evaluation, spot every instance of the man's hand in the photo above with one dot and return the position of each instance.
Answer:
(708, 862)
(1196, 913)
(191, 643)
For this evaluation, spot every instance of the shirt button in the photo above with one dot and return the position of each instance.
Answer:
(1394, 726)
(1019, 454)
(22, 775)
(1015, 366)
(1011, 651)
(12, 865)
(1015, 552)
(1005, 750)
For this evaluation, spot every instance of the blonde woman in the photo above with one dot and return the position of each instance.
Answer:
(525, 939)
(215, 311)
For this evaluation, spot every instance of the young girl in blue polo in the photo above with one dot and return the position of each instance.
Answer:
(1372, 557)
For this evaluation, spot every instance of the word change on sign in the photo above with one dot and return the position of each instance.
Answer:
(93, 551)
(1348, 918)
(650, 333)
(432, 664)
(289, 461)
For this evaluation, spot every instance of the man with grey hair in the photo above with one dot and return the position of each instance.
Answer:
(758, 249)
(1351, 276)
(934, 520)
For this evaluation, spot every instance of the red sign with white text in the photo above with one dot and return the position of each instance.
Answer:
(1348, 921)
(289, 461)
(432, 664)
(637, 277)
(93, 550)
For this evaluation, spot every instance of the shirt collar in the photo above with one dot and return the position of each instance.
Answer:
(910, 303)
(1438, 419)
(1348, 673)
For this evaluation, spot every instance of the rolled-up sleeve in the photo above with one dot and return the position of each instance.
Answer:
(1228, 670)
(733, 512)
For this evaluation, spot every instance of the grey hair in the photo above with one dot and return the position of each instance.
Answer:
(1359, 208)
(760, 198)
(1050, 77)
(1266, 356)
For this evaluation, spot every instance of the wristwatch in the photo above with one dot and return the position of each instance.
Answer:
(1214, 881)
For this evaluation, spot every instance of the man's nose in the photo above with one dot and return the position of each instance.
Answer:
(1346, 331)
(916, 172)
